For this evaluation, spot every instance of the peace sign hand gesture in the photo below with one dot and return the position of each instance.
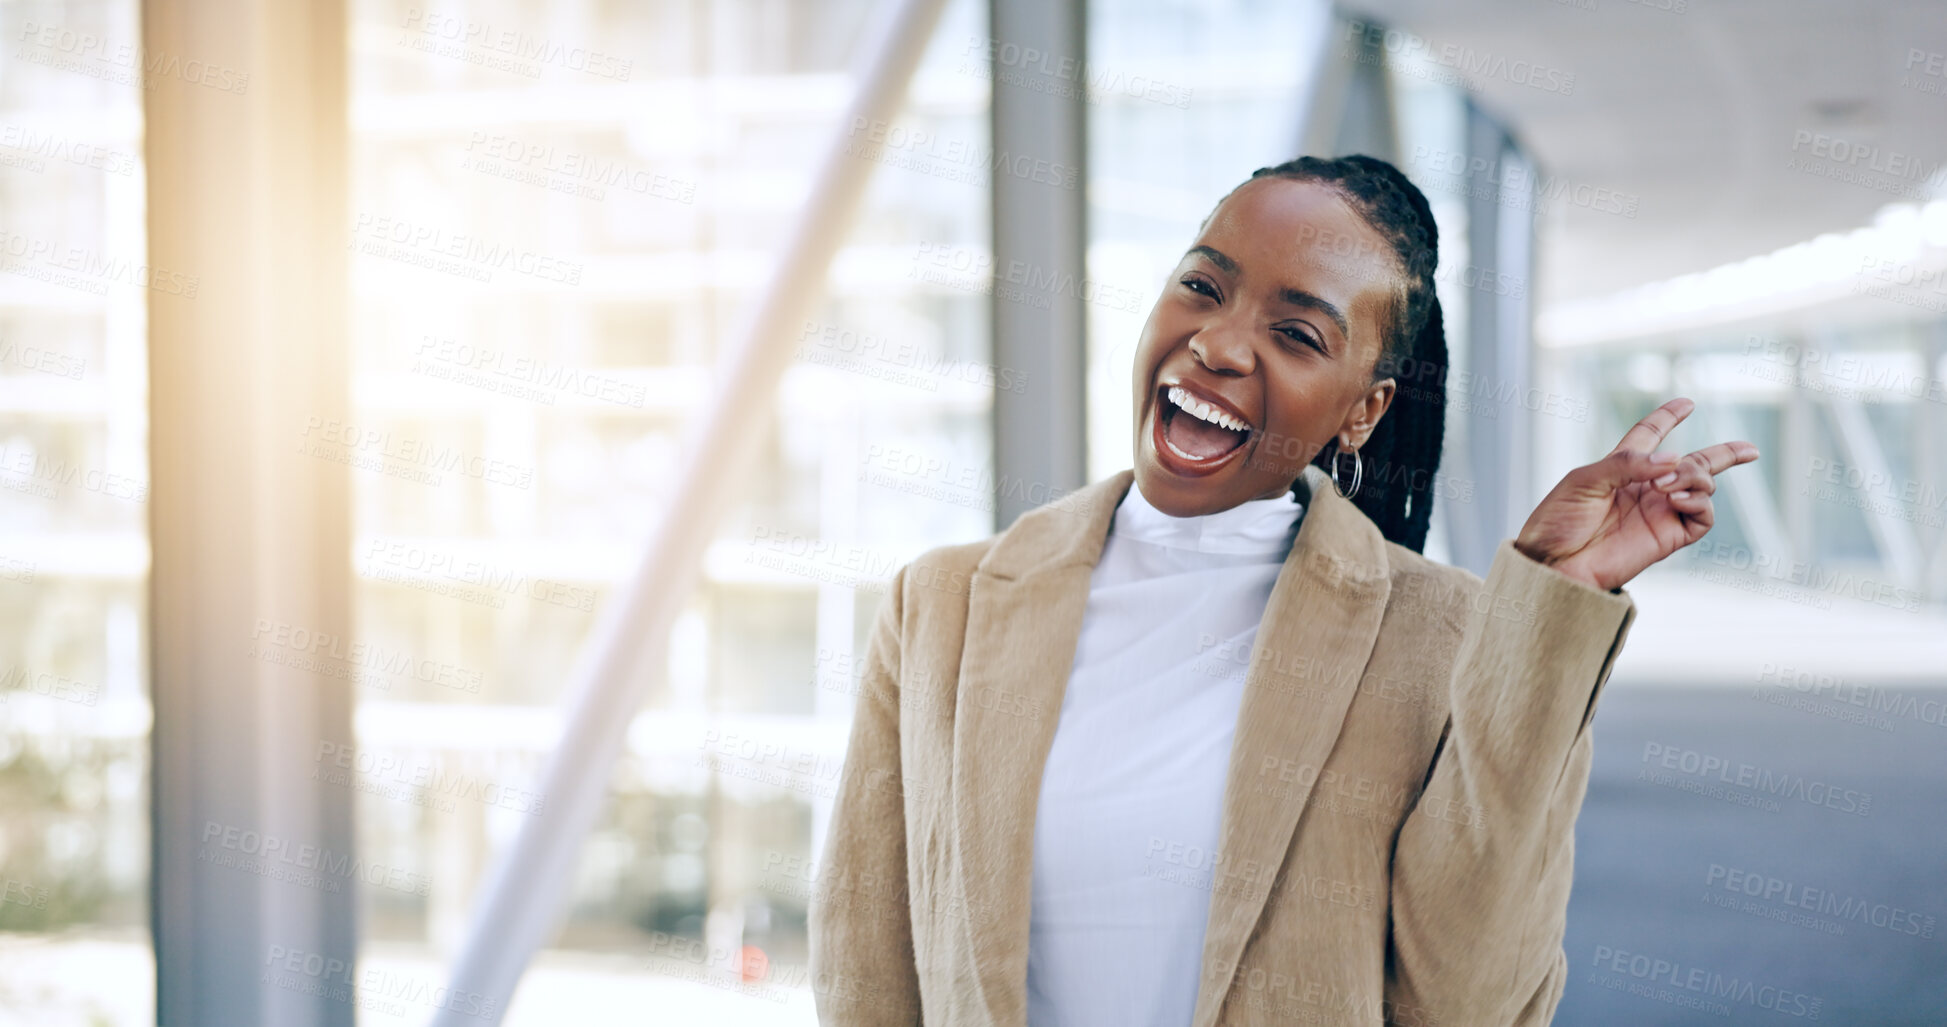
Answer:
(1607, 521)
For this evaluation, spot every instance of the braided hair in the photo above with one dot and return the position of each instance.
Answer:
(1403, 452)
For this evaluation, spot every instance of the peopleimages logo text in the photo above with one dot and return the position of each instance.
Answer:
(1757, 779)
(1408, 49)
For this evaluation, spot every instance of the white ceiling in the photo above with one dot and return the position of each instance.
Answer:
(1696, 113)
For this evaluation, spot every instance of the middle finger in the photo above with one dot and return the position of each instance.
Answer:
(1724, 456)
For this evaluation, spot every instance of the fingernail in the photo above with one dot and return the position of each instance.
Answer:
(1684, 494)
(1666, 479)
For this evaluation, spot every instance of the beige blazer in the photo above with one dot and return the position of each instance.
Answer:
(1397, 828)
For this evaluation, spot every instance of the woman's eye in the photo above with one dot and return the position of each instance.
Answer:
(1300, 335)
(1199, 285)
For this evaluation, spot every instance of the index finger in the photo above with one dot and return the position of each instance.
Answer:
(1653, 429)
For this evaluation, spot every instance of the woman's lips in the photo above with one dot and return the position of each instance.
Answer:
(1175, 461)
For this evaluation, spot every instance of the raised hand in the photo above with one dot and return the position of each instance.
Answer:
(1608, 520)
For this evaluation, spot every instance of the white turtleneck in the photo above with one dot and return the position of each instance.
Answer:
(1132, 794)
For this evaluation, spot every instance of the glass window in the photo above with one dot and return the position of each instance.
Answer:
(74, 698)
(532, 409)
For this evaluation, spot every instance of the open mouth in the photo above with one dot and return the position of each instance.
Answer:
(1197, 434)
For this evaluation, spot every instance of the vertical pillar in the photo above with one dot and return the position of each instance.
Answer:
(1930, 453)
(1366, 123)
(1347, 103)
(1040, 250)
(245, 140)
(1494, 451)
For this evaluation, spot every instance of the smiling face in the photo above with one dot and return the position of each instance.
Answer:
(1261, 349)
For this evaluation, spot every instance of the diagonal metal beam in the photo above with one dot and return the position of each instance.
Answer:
(521, 904)
(1749, 494)
(1899, 547)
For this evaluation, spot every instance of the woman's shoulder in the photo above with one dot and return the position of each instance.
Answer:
(1419, 580)
(957, 555)
(1406, 562)
(946, 569)
(1063, 532)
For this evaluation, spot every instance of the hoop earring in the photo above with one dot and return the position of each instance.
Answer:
(1358, 474)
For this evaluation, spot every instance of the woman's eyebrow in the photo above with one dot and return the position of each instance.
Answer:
(1301, 298)
(1229, 265)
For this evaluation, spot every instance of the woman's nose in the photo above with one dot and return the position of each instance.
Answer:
(1224, 350)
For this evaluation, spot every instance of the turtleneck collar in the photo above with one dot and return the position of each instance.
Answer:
(1258, 527)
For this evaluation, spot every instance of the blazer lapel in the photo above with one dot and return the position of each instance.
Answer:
(1311, 650)
(1024, 619)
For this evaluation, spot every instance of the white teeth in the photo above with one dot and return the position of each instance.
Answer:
(1204, 411)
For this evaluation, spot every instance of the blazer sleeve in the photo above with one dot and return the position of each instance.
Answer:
(860, 927)
(1483, 863)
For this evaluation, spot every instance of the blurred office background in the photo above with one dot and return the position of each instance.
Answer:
(554, 218)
